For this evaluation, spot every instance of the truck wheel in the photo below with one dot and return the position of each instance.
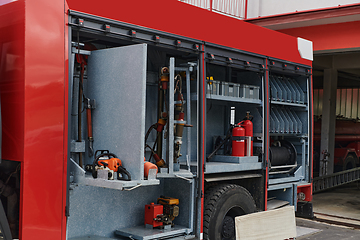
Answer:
(349, 162)
(222, 204)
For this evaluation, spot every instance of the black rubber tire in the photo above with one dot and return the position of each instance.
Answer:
(349, 162)
(222, 204)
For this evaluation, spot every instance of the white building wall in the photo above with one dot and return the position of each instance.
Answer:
(233, 8)
(198, 3)
(263, 8)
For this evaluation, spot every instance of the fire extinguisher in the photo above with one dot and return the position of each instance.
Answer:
(248, 126)
(238, 141)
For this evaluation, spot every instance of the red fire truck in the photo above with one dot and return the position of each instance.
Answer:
(147, 120)
(347, 144)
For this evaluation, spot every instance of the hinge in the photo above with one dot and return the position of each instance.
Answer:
(67, 213)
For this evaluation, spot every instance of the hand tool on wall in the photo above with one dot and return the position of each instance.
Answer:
(179, 117)
(156, 149)
(90, 105)
(162, 116)
(82, 60)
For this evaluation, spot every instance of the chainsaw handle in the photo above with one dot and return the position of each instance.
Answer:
(123, 171)
(103, 155)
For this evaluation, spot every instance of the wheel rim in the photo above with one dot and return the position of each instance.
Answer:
(228, 224)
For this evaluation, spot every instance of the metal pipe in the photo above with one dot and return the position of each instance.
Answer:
(81, 81)
(188, 119)
(159, 139)
(171, 116)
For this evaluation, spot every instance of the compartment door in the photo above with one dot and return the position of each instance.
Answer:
(117, 81)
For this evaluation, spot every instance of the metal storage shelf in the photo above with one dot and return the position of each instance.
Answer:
(286, 89)
(232, 159)
(285, 121)
(176, 174)
(233, 99)
(222, 163)
(114, 184)
(221, 167)
(143, 233)
(289, 135)
(82, 178)
(301, 105)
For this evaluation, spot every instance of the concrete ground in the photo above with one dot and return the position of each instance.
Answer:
(343, 201)
(337, 215)
(324, 231)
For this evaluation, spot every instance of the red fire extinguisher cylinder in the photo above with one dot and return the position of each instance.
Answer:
(238, 142)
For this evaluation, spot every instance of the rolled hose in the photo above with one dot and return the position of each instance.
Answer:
(283, 154)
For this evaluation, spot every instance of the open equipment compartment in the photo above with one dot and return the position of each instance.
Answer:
(240, 77)
(290, 119)
(119, 82)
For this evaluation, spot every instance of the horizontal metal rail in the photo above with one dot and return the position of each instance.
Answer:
(336, 179)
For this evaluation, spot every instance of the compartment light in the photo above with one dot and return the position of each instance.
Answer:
(178, 43)
(133, 33)
(80, 22)
(157, 38)
(106, 28)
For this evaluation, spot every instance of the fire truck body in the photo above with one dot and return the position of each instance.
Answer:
(83, 79)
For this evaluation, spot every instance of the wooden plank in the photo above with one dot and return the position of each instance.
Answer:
(271, 225)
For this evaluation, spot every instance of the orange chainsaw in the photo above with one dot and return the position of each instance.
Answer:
(106, 161)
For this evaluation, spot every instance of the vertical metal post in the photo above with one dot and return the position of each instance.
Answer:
(294, 197)
(171, 116)
(69, 96)
(188, 119)
(307, 166)
(71, 75)
(328, 122)
(192, 205)
(198, 116)
(201, 123)
(303, 157)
